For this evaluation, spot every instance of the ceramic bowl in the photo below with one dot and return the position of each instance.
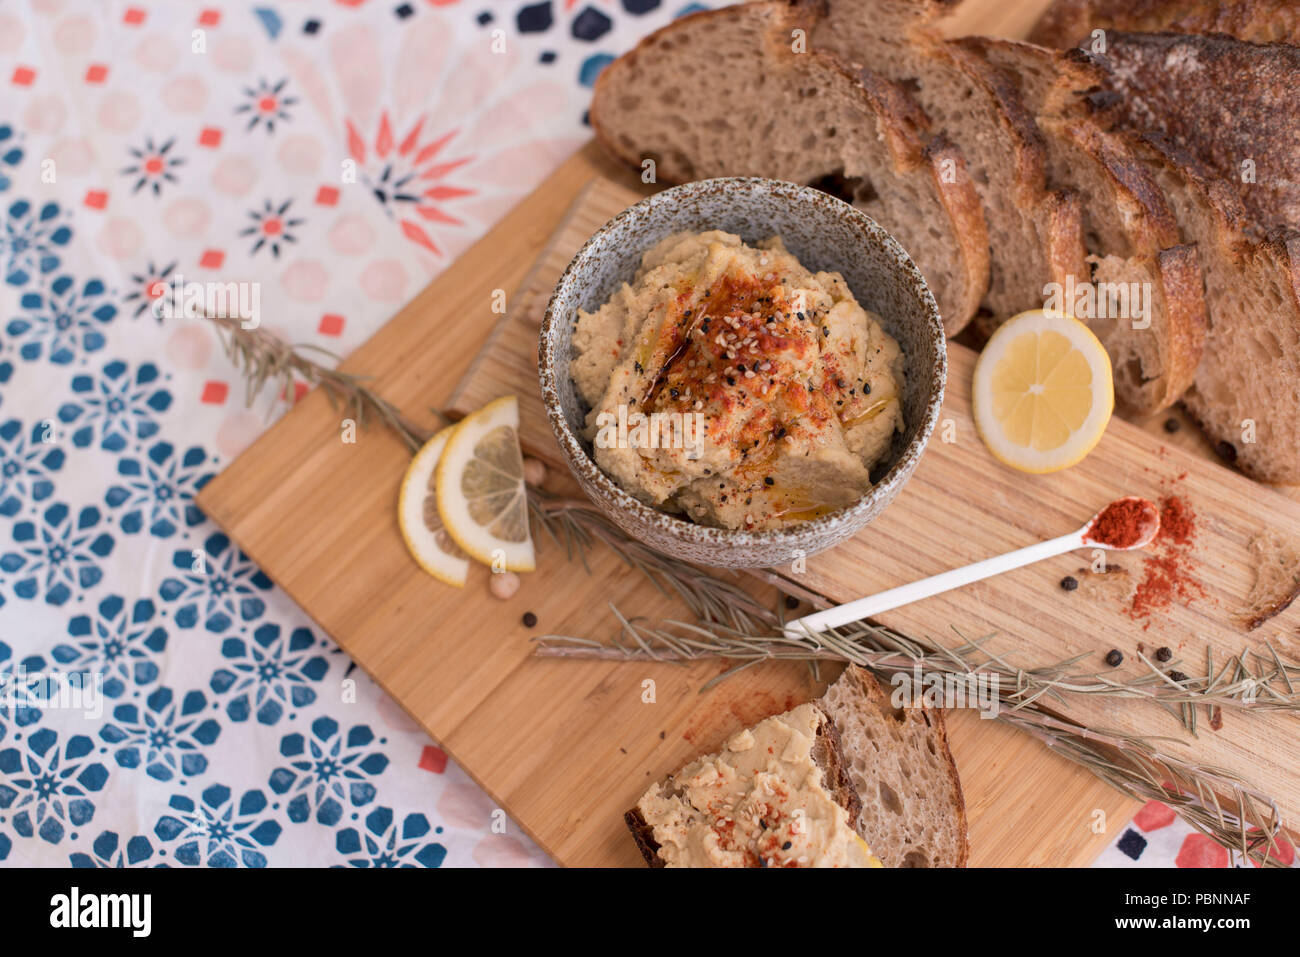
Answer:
(824, 233)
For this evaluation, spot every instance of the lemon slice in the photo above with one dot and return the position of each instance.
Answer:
(1042, 393)
(417, 514)
(481, 495)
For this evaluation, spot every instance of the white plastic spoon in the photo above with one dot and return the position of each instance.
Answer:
(945, 581)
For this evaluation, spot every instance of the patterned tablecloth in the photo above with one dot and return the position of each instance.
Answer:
(335, 156)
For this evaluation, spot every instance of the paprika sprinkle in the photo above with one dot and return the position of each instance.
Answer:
(1167, 575)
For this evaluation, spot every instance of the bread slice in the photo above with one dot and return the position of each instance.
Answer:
(826, 754)
(1246, 392)
(913, 811)
(721, 93)
(1035, 233)
(1277, 578)
(1230, 103)
(890, 769)
(1130, 232)
(1069, 22)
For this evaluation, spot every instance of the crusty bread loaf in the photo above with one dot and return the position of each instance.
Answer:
(913, 812)
(1246, 393)
(721, 93)
(826, 753)
(1069, 22)
(1230, 103)
(1034, 232)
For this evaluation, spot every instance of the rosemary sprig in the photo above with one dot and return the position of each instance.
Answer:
(1243, 683)
(263, 357)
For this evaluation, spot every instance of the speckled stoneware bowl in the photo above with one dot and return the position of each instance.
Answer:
(824, 233)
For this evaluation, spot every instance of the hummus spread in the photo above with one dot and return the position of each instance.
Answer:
(730, 383)
(758, 803)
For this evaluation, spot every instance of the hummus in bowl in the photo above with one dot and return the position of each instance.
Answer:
(729, 383)
(875, 324)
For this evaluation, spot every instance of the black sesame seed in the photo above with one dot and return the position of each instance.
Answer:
(1069, 583)
(1163, 654)
(1114, 657)
(791, 602)
(786, 846)
(1172, 425)
(730, 381)
(530, 620)
(768, 480)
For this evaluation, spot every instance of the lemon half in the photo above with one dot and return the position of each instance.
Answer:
(1043, 392)
(417, 514)
(481, 493)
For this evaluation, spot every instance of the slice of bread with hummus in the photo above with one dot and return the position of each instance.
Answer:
(845, 781)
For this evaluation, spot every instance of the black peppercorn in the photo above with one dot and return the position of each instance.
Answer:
(1172, 425)
(1114, 657)
(1163, 654)
(1177, 677)
(1069, 583)
(530, 619)
(1226, 451)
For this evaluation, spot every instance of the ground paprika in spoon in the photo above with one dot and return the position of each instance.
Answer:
(1122, 523)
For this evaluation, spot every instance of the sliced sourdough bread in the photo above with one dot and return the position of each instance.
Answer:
(1230, 103)
(1139, 263)
(1246, 392)
(721, 93)
(1068, 22)
(1035, 233)
(913, 812)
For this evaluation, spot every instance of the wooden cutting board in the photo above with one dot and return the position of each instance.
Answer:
(961, 505)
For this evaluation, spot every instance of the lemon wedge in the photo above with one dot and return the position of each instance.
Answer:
(417, 515)
(481, 494)
(1042, 393)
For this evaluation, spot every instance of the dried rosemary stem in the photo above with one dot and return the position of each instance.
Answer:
(263, 357)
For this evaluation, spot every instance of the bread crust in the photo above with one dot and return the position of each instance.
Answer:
(1067, 22)
(1179, 85)
(644, 835)
(1183, 287)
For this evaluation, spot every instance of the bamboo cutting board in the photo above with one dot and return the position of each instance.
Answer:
(961, 506)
